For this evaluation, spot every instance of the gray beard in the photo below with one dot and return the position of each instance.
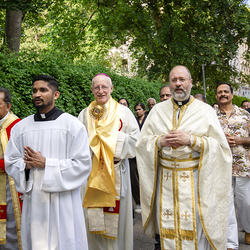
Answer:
(180, 97)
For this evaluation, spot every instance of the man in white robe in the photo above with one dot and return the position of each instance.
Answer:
(48, 156)
(184, 168)
(113, 131)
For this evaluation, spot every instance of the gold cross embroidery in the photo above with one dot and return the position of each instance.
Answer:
(175, 164)
(167, 214)
(184, 176)
(167, 176)
(186, 215)
(1, 211)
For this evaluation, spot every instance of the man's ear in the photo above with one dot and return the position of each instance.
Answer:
(8, 105)
(56, 94)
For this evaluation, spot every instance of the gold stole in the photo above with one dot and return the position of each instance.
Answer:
(101, 196)
(14, 194)
(177, 197)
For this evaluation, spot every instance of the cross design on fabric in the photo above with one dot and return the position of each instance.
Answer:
(198, 148)
(102, 163)
(186, 215)
(167, 176)
(1, 211)
(184, 176)
(167, 214)
(175, 164)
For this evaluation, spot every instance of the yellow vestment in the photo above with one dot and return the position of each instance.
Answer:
(5, 129)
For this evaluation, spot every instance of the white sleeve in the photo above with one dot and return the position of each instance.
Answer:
(127, 136)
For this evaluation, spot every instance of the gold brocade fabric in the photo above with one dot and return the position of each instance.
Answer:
(102, 138)
(177, 213)
(14, 194)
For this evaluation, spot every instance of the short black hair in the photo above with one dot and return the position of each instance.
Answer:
(201, 96)
(52, 82)
(141, 105)
(7, 95)
(124, 99)
(164, 86)
(231, 88)
(215, 104)
(243, 102)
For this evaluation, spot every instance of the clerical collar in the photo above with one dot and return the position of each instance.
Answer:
(182, 103)
(53, 114)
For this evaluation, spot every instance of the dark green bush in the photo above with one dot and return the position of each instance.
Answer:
(16, 73)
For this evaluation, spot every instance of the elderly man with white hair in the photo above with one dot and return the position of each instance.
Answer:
(113, 131)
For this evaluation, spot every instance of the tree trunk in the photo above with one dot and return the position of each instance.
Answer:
(13, 24)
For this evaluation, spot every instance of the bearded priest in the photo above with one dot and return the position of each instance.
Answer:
(184, 165)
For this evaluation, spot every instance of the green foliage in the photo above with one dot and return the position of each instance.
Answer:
(16, 73)
(163, 33)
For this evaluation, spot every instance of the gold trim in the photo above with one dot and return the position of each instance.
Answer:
(180, 169)
(17, 209)
(198, 197)
(14, 194)
(153, 194)
(179, 160)
(193, 210)
(97, 111)
(195, 139)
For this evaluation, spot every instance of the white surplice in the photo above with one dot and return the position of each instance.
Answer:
(52, 216)
(125, 148)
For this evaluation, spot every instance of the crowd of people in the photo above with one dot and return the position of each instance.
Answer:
(71, 183)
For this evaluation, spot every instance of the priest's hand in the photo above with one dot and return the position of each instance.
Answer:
(33, 159)
(175, 139)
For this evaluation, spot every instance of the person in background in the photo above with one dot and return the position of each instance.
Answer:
(244, 104)
(151, 102)
(112, 131)
(200, 97)
(10, 199)
(124, 101)
(235, 123)
(216, 106)
(165, 93)
(140, 111)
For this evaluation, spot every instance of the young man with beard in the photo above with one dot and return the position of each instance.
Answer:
(235, 124)
(184, 168)
(48, 156)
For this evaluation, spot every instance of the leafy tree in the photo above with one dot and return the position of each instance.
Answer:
(164, 33)
(16, 11)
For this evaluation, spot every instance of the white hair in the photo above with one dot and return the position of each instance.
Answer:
(151, 99)
(108, 78)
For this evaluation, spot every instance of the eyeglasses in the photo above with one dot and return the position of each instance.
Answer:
(2, 103)
(181, 79)
(100, 87)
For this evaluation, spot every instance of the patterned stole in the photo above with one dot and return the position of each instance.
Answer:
(177, 203)
(102, 196)
(5, 129)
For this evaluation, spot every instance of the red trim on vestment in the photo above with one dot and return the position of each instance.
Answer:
(8, 129)
(113, 210)
(120, 125)
(2, 212)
